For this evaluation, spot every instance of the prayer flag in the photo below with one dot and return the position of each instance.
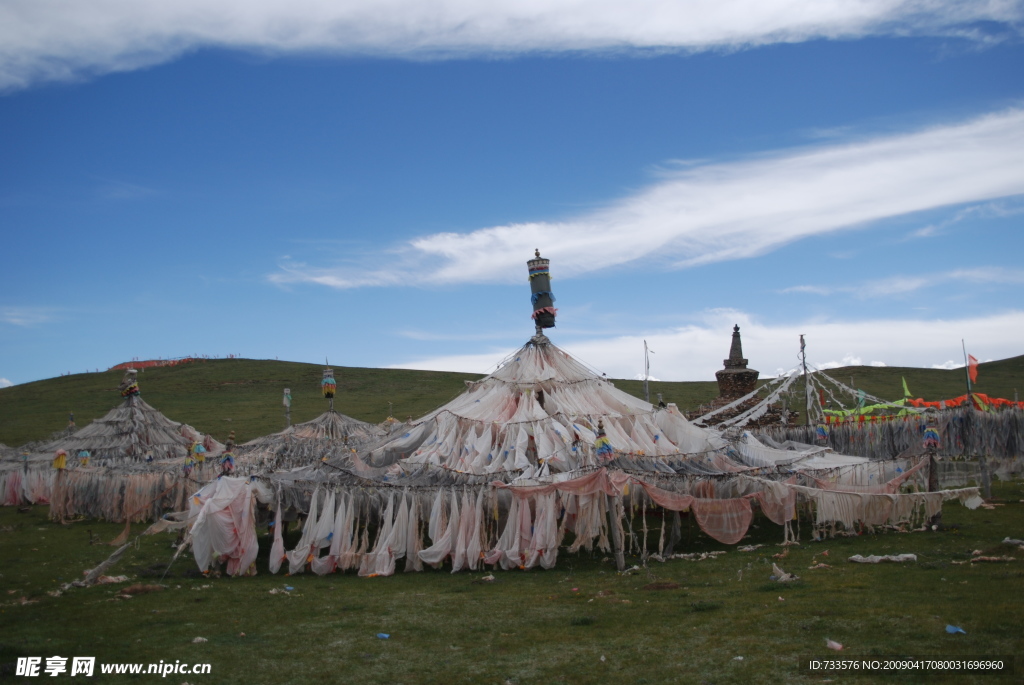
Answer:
(906, 391)
(972, 368)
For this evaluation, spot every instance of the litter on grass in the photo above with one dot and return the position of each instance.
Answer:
(781, 576)
(985, 559)
(107, 580)
(875, 558)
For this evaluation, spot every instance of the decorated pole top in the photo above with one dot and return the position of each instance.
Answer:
(129, 386)
(328, 386)
(541, 297)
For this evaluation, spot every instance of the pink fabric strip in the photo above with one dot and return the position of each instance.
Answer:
(726, 520)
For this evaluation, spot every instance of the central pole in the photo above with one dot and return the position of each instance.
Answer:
(807, 382)
(967, 369)
(647, 372)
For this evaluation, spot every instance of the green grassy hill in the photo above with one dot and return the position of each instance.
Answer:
(244, 395)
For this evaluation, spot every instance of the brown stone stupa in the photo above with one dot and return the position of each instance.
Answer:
(736, 380)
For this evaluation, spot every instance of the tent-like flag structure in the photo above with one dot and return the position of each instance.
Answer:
(542, 451)
(329, 435)
(543, 412)
(126, 465)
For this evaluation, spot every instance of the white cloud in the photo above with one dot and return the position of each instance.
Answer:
(926, 232)
(485, 362)
(696, 351)
(948, 365)
(902, 285)
(25, 316)
(54, 39)
(809, 289)
(727, 211)
(4, 383)
(640, 377)
(848, 360)
(986, 210)
(989, 275)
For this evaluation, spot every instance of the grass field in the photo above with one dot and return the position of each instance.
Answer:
(578, 623)
(581, 622)
(244, 395)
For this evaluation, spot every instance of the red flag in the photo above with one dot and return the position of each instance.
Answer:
(972, 368)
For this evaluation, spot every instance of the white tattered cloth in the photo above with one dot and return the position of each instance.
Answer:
(541, 409)
(225, 525)
(871, 505)
(31, 485)
(754, 452)
(537, 519)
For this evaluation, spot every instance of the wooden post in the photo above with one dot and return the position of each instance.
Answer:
(675, 536)
(933, 486)
(986, 478)
(807, 383)
(614, 516)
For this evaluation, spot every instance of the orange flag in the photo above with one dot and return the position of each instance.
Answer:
(972, 368)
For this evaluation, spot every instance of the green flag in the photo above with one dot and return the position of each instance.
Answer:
(906, 391)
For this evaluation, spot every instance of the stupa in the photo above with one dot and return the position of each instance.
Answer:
(736, 380)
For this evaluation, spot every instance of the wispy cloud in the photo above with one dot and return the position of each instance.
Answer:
(56, 40)
(905, 284)
(25, 316)
(718, 212)
(4, 383)
(986, 210)
(696, 351)
(847, 360)
(927, 232)
(809, 289)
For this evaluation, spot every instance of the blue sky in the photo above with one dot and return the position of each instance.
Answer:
(365, 182)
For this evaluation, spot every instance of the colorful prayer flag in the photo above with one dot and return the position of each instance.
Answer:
(972, 368)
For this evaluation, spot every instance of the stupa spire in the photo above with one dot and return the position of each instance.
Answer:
(736, 380)
(541, 297)
(736, 360)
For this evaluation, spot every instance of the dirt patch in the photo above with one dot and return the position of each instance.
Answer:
(140, 589)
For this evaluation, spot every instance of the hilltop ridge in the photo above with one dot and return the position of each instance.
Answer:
(217, 396)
